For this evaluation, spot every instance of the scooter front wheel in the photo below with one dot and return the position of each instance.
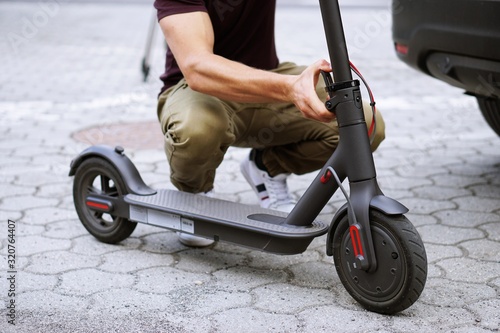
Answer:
(401, 271)
(97, 176)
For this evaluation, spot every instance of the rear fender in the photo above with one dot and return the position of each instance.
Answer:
(120, 161)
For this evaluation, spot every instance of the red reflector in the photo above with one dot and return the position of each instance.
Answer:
(98, 205)
(326, 177)
(356, 241)
(401, 49)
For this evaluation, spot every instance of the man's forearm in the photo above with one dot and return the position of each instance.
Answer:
(213, 75)
(229, 80)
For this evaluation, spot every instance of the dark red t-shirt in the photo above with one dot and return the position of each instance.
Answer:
(244, 31)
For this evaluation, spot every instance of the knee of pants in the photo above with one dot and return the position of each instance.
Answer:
(199, 136)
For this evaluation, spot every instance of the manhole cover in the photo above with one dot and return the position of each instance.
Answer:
(145, 135)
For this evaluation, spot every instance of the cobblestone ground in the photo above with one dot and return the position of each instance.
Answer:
(71, 77)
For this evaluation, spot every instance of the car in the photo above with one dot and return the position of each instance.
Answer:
(455, 41)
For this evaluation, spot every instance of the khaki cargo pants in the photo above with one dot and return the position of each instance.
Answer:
(199, 129)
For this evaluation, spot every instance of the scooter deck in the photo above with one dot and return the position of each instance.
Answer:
(221, 220)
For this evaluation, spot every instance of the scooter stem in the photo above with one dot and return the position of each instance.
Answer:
(353, 157)
(354, 144)
(335, 39)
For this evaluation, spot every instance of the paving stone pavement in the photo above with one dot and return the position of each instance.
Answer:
(71, 77)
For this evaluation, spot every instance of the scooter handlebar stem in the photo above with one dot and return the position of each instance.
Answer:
(337, 47)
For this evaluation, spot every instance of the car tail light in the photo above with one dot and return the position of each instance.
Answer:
(401, 49)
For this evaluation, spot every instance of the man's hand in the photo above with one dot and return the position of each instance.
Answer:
(304, 96)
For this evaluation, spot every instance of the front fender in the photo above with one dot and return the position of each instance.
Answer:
(120, 161)
(381, 203)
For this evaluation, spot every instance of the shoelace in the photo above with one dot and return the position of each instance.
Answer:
(278, 191)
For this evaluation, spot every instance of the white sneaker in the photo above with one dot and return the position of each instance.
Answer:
(272, 191)
(253, 176)
(196, 241)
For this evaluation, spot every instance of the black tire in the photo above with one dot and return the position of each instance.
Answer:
(401, 271)
(96, 175)
(490, 108)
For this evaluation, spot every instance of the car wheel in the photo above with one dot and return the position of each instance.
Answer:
(490, 108)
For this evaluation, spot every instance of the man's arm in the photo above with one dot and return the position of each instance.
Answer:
(190, 37)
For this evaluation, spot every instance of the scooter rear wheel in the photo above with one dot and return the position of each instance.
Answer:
(97, 176)
(401, 271)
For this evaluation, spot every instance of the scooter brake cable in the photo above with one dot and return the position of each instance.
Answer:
(349, 206)
(373, 126)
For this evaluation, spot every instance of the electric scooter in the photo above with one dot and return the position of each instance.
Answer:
(378, 254)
